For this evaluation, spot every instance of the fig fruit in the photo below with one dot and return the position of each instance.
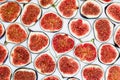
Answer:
(73, 78)
(67, 8)
(51, 22)
(16, 33)
(85, 52)
(2, 30)
(9, 11)
(45, 63)
(62, 43)
(46, 3)
(105, 1)
(1, 1)
(103, 29)
(25, 74)
(79, 28)
(20, 56)
(5, 72)
(113, 73)
(90, 9)
(51, 77)
(38, 41)
(92, 72)
(30, 14)
(3, 53)
(68, 66)
(117, 37)
(112, 11)
(108, 54)
(23, 1)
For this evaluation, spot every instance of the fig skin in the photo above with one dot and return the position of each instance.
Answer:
(116, 37)
(2, 30)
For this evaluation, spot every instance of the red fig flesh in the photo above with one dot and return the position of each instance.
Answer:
(105, 1)
(23, 1)
(117, 37)
(2, 30)
(52, 77)
(1, 1)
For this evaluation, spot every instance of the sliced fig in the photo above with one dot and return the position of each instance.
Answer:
(23, 1)
(113, 11)
(62, 43)
(38, 41)
(46, 3)
(16, 33)
(5, 72)
(51, 22)
(117, 37)
(108, 54)
(73, 78)
(2, 30)
(9, 11)
(86, 52)
(113, 73)
(68, 66)
(79, 28)
(20, 56)
(67, 8)
(52, 77)
(45, 63)
(90, 9)
(30, 14)
(105, 1)
(3, 53)
(25, 74)
(1, 1)
(103, 29)
(92, 72)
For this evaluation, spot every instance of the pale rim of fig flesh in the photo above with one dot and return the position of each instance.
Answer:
(103, 1)
(50, 55)
(85, 61)
(3, 1)
(111, 29)
(51, 76)
(3, 29)
(12, 53)
(96, 4)
(99, 51)
(64, 74)
(73, 78)
(116, 32)
(83, 22)
(38, 33)
(61, 14)
(24, 1)
(9, 41)
(25, 9)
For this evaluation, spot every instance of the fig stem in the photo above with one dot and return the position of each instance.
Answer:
(92, 40)
(53, 5)
(5, 43)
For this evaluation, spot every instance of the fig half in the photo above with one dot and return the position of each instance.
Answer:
(2, 30)
(20, 56)
(23, 1)
(51, 77)
(79, 28)
(108, 54)
(16, 33)
(117, 37)
(38, 41)
(9, 11)
(103, 29)
(51, 22)
(67, 8)
(90, 9)
(3, 53)
(45, 63)
(1, 1)
(105, 1)
(73, 78)
(30, 14)
(68, 66)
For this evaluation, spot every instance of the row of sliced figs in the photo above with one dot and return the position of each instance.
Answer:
(62, 43)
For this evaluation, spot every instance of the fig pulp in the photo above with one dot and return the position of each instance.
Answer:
(52, 77)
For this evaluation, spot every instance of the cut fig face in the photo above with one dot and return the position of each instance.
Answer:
(38, 41)
(86, 52)
(9, 11)
(2, 30)
(108, 54)
(105, 1)
(3, 53)
(20, 56)
(16, 33)
(45, 63)
(1, 1)
(103, 29)
(51, 22)
(92, 72)
(113, 11)
(62, 43)
(5, 72)
(113, 73)
(25, 74)
(68, 66)
(30, 14)
(117, 37)
(79, 28)
(52, 77)
(73, 78)
(46, 3)
(67, 8)
(23, 1)
(90, 9)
